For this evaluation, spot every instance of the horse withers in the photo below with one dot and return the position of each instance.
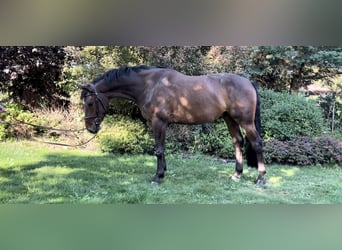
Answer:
(166, 96)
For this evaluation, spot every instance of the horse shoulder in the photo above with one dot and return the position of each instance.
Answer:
(154, 95)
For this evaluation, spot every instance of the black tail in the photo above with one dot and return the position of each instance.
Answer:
(251, 155)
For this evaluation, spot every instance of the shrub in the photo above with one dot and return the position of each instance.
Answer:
(328, 150)
(213, 139)
(121, 134)
(303, 151)
(181, 137)
(286, 116)
(11, 127)
(216, 141)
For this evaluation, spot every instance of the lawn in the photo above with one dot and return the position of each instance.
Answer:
(36, 174)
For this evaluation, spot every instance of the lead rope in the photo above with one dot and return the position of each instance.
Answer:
(53, 129)
(64, 144)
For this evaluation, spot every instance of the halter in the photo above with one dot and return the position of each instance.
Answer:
(97, 101)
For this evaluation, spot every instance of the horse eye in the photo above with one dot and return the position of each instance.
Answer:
(90, 104)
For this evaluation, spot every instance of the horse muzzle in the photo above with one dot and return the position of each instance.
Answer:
(94, 126)
(94, 129)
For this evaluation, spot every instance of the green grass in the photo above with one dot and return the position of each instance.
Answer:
(32, 173)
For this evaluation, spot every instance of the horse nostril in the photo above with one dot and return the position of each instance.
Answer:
(93, 129)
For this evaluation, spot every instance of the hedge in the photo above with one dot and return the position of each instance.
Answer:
(304, 151)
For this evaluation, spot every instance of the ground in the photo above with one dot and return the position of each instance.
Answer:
(32, 173)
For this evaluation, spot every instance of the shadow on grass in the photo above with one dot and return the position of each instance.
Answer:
(68, 178)
(86, 177)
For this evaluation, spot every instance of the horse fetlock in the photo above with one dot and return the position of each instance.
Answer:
(161, 175)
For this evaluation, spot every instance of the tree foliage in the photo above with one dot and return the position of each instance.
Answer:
(30, 75)
(187, 59)
(233, 59)
(287, 68)
(86, 63)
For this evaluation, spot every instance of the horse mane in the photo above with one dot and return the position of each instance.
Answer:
(114, 74)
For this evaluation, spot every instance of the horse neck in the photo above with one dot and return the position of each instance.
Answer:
(125, 87)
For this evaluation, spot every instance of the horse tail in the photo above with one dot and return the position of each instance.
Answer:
(251, 155)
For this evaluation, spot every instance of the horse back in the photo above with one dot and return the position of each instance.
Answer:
(179, 98)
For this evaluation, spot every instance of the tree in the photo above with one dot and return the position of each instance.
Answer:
(86, 63)
(331, 105)
(287, 68)
(232, 59)
(30, 75)
(186, 59)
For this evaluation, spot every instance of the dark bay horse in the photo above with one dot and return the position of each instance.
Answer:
(166, 96)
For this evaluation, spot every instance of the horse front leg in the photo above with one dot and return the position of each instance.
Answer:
(159, 132)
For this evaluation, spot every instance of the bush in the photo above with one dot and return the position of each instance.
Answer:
(328, 150)
(121, 134)
(213, 139)
(304, 151)
(216, 141)
(181, 137)
(286, 116)
(11, 127)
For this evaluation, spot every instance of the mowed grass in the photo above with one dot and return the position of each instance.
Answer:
(32, 173)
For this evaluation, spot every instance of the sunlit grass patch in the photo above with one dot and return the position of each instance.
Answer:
(275, 181)
(289, 171)
(55, 171)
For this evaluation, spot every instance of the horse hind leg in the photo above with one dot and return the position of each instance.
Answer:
(234, 130)
(256, 144)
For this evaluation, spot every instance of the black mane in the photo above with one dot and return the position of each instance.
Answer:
(116, 73)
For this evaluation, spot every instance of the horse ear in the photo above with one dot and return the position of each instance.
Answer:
(83, 88)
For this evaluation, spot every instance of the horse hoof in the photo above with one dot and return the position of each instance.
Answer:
(260, 182)
(236, 177)
(154, 183)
